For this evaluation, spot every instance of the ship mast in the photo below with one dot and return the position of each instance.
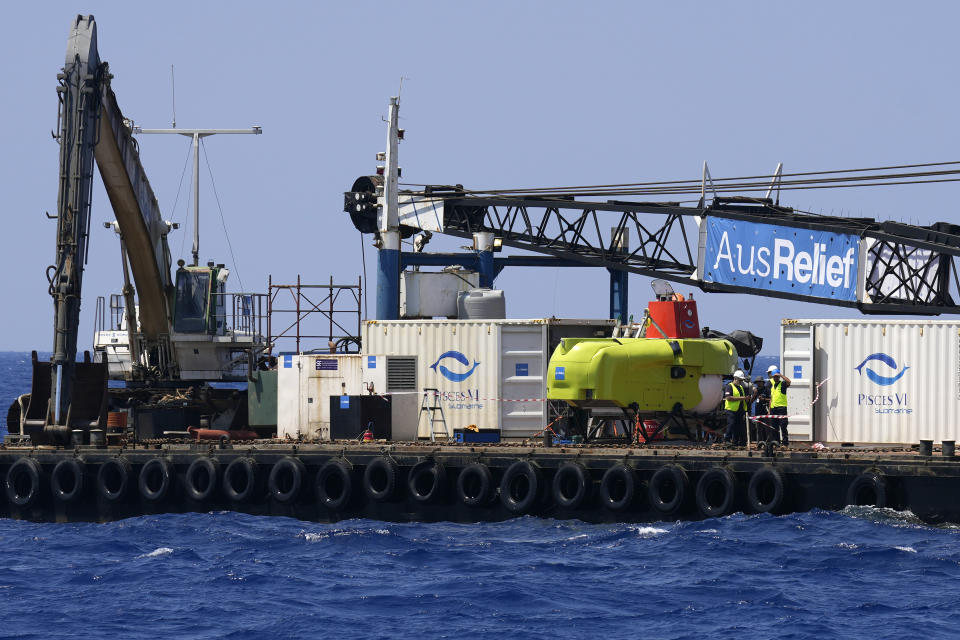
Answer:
(197, 134)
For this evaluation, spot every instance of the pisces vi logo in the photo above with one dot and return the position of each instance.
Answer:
(876, 377)
(450, 375)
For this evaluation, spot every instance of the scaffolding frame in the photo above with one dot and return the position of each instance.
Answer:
(332, 302)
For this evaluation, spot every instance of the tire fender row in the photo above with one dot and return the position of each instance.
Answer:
(523, 486)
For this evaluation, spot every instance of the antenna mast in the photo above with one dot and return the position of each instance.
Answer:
(173, 96)
(197, 134)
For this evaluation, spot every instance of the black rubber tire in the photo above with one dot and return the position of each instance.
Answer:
(286, 488)
(238, 468)
(381, 492)
(571, 475)
(337, 471)
(722, 478)
(662, 480)
(150, 491)
(427, 471)
(67, 473)
(475, 485)
(610, 493)
(23, 482)
(113, 479)
(192, 480)
(512, 495)
(759, 494)
(872, 482)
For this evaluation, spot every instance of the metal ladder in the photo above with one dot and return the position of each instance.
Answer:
(431, 410)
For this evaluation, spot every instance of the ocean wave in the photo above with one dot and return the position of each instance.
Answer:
(319, 536)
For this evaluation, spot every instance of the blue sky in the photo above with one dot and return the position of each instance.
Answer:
(495, 95)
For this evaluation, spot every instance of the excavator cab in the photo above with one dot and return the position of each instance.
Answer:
(199, 306)
(213, 331)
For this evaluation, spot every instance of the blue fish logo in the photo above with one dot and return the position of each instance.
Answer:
(876, 377)
(450, 375)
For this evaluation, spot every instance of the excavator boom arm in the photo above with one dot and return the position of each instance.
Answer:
(92, 128)
(138, 216)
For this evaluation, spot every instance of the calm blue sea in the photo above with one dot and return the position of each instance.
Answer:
(863, 573)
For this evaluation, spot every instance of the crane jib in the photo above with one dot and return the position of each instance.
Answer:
(753, 247)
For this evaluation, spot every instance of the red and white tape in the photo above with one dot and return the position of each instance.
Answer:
(435, 393)
(777, 415)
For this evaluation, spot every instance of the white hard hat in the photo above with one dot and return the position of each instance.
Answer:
(773, 369)
(738, 374)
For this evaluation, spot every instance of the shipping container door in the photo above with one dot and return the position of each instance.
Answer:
(796, 362)
(324, 376)
(288, 395)
(522, 367)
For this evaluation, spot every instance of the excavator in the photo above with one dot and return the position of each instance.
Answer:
(178, 334)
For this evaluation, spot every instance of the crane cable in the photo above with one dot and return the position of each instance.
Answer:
(223, 220)
(742, 183)
(865, 181)
(176, 199)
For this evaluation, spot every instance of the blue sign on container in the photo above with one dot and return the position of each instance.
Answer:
(344, 402)
(797, 371)
(287, 361)
(326, 364)
(818, 264)
(371, 362)
(522, 369)
(558, 373)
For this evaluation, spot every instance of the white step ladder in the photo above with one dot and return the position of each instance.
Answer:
(431, 409)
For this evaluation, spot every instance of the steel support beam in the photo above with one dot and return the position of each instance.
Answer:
(618, 295)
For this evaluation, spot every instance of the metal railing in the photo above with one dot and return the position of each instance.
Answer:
(112, 320)
(242, 314)
(323, 314)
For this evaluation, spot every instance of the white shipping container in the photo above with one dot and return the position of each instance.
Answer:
(488, 373)
(887, 381)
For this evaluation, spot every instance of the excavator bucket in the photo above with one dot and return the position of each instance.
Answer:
(88, 406)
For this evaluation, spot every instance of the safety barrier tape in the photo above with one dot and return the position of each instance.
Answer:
(436, 393)
(777, 415)
(769, 415)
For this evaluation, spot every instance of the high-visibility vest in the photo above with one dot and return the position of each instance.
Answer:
(733, 404)
(778, 397)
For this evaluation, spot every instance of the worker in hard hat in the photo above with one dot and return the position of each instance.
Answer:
(778, 404)
(735, 401)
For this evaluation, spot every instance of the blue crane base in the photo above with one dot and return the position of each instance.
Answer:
(388, 284)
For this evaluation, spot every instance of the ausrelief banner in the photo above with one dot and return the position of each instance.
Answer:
(802, 262)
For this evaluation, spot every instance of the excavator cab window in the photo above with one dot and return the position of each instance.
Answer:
(193, 298)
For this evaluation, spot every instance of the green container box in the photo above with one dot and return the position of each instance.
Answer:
(262, 399)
